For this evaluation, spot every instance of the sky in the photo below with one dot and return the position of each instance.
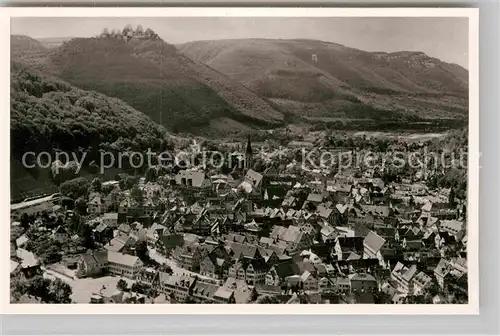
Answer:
(443, 38)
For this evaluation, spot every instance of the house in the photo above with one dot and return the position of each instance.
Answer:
(256, 271)
(328, 233)
(403, 276)
(96, 204)
(241, 291)
(293, 237)
(188, 256)
(60, 234)
(273, 254)
(309, 282)
(203, 292)
(325, 284)
(362, 282)
(102, 233)
(177, 287)
(453, 227)
(147, 276)
(238, 251)
(237, 270)
(124, 229)
(346, 246)
(155, 232)
(120, 243)
(192, 178)
(224, 295)
(313, 200)
(421, 281)
(107, 295)
(376, 210)
(124, 265)
(278, 273)
(233, 237)
(326, 214)
(289, 202)
(441, 271)
(343, 284)
(213, 266)
(15, 268)
(110, 219)
(253, 178)
(97, 263)
(30, 265)
(92, 264)
(21, 241)
(170, 241)
(372, 245)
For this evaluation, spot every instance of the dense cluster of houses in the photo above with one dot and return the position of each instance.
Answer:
(269, 234)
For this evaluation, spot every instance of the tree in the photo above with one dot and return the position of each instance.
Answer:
(167, 269)
(25, 221)
(151, 174)
(105, 32)
(451, 198)
(50, 254)
(48, 291)
(75, 188)
(81, 205)
(128, 29)
(60, 292)
(96, 185)
(189, 299)
(139, 30)
(150, 33)
(141, 250)
(39, 286)
(136, 194)
(122, 285)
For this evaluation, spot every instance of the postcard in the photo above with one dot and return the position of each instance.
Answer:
(240, 160)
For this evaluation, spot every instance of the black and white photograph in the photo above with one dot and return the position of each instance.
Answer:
(279, 160)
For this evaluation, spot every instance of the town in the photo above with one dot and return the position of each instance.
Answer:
(267, 230)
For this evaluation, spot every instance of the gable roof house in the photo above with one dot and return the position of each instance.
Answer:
(279, 272)
(403, 276)
(96, 204)
(188, 256)
(192, 179)
(243, 251)
(372, 245)
(97, 262)
(236, 291)
(421, 281)
(293, 237)
(327, 214)
(345, 247)
(453, 227)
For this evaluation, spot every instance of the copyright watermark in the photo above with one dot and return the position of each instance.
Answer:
(307, 159)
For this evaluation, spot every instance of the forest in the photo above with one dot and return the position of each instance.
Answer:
(47, 114)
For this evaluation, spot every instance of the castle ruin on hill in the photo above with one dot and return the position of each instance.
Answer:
(128, 33)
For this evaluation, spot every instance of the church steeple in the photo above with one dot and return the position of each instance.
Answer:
(248, 155)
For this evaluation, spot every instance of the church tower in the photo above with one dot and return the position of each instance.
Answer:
(248, 155)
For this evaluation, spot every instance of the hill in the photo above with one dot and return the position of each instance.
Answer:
(319, 79)
(154, 78)
(52, 42)
(48, 114)
(24, 46)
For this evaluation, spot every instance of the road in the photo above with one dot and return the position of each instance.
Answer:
(173, 265)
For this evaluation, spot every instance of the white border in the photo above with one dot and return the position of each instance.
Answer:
(473, 180)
